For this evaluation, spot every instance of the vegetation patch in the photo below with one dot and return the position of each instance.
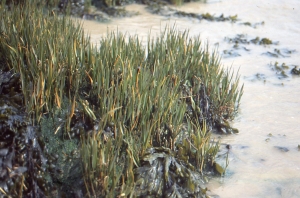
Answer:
(282, 149)
(230, 53)
(104, 10)
(20, 153)
(295, 70)
(163, 8)
(277, 53)
(242, 39)
(255, 25)
(101, 119)
(281, 69)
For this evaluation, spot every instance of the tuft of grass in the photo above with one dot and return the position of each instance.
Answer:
(121, 98)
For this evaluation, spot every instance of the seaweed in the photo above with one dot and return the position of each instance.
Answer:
(295, 70)
(164, 175)
(162, 8)
(242, 39)
(23, 162)
(282, 149)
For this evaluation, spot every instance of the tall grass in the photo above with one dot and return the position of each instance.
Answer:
(142, 96)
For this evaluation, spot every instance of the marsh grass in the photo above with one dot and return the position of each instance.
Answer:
(142, 96)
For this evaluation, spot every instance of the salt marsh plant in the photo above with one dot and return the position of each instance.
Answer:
(121, 100)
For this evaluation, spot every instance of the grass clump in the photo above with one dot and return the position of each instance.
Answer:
(133, 110)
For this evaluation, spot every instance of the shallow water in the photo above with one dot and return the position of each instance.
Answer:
(270, 107)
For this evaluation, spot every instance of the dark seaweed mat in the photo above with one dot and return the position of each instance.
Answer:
(163, 175)
(27, 169)
(22, 164)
